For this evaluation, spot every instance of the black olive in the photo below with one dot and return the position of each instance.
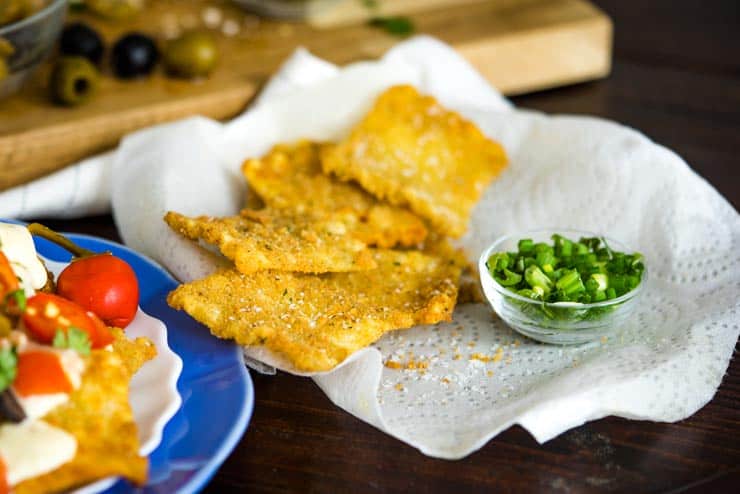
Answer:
(81, 40)
(10, 409)
(134, 55)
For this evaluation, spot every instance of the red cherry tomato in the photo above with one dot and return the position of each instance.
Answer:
(104, 284)
(8, 279)
(46, 313)
(4, 487)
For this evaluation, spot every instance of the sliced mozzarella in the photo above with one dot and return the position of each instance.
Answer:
(17, 245)
(33, 448)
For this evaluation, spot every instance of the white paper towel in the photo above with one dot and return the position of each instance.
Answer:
(475, 376)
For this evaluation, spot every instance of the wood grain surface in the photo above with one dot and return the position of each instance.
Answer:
(520, 45)
(676, 77)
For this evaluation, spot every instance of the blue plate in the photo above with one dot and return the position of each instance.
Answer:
(216, 390)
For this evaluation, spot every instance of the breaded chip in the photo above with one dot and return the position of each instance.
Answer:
(98, 414)
(134, 353)
(469, 290)
(318, 321)
(412, 152)
(266, 239)
(289, 177)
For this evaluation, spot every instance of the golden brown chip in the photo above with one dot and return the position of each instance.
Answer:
(98, 414)
(289, 177)
(265, 239)
(412, 152)
(254, 201)
(134, 353)
(318, 321)
(469, 290)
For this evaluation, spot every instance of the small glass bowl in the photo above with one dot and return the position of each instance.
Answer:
(32, 39)
(562, 323)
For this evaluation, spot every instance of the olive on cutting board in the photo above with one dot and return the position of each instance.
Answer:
(79, 39)
(191, 55)
(73, 80)
(134, 55)
(6, 50)
(115, 9)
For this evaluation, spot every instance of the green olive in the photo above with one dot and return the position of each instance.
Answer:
(11, 11)
(6, 50)
(4, 69)
(115, 9)
(193, 54)
(15, 10)
(73, 80)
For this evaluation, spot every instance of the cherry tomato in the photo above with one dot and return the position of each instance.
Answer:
(46, 313)
(8, 279)
(4, 487)
(104, 284)
(41, 372)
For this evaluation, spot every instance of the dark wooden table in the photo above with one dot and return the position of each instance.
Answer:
(676, 77)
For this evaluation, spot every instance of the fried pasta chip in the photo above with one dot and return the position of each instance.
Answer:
(469, 290)
(134, 353)
(318, 321)
(265, 239)
(411, 151)
(98, 414)
(289, 177)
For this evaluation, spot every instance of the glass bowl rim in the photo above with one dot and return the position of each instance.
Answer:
(502, 290)
(26, 21)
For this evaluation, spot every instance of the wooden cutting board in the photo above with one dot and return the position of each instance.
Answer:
(519, 45)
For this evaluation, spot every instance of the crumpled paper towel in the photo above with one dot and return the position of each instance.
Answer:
(463, 382)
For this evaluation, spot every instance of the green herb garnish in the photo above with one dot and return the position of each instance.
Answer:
(74, 339)
(583, 271)
(18, 297)
(8, 367)
(397, 25)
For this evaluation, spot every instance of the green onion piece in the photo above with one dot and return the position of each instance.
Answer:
(566, 249)
(571, 283)
(74, 339)
(542, 247)
(510, 278)
(537, 279)
(545, 257)
(19, 297)
(599, 296)
(520, 265)
(529, 293)
(602, 281)
(8, 367)
(525, 245)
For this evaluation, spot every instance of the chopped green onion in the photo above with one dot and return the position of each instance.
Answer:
(19, 297)
(585, 271)
(510, 278)
(74, 339)
(8, 367)
(526, 245)
(537, 279)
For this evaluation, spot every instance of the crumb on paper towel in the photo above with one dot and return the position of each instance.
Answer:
(420, 364)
